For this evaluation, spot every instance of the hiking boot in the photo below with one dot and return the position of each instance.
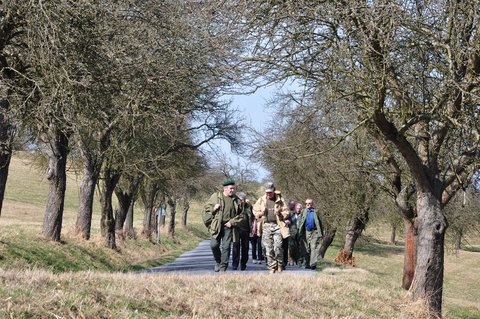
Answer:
(217, 267)
(280, 268)
(271, 271)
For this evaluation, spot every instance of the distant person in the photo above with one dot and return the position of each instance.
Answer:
(220, 208)
(256, 239)
(272, 209)
(241, 235)
(295, 243)
(311, 230)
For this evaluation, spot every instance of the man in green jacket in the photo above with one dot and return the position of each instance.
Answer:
(241, 224)
(220, 209)
(311, 232)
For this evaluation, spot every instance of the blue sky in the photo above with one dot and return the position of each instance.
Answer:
(253, 109)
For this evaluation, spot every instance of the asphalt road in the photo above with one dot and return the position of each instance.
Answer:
(200, 261)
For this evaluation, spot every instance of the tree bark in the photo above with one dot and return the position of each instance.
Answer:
(123, 200)
(185, 208)
(409, 255)
(148, 222)
(354, 231)
(6, 136)
(107, 221)
(149, 215)
(83, 224)
(327, 241)
(126, 200)
(57, 151)
(6, 128)
(172, 202)
(431, 226)
(393, 235)
(128, 230)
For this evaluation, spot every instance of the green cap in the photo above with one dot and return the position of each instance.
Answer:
(229, 182)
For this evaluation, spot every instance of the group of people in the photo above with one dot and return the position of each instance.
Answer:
(280, 234)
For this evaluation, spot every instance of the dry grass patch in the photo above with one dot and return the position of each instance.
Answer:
(339, 294)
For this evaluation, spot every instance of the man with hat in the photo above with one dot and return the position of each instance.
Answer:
(272, 209)
(221, 209)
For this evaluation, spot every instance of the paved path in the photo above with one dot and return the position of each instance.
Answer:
(200, 261)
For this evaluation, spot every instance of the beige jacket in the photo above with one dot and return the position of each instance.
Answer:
(280, 205)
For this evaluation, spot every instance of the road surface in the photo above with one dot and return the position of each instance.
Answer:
(200, 261)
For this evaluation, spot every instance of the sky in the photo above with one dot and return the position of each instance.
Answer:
(255, 114)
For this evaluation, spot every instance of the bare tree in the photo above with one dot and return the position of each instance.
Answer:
(411, 69)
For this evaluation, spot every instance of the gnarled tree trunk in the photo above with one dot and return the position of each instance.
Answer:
(91, 172)
(172, 202)
(327, 241)
(107, 221)
(409, 255)
(431, 226)
(57, 151)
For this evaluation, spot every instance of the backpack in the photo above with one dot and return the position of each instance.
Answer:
(207, 218)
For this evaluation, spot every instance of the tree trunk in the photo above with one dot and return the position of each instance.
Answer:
(431, 226)
(327, 241)
(128, 230)
(354, 231)
(185, 208)
(6, 128)
(6, 132)
(57, 151)
(393, 235)
(91, 172)
(124, 200)
(148, 222)
(107, 222)
(409, 255)
(458, 235)
(172, 202)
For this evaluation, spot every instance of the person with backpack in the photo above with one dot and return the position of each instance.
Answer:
(219, 213)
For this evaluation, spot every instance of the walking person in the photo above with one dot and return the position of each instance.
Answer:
(295, 243)
(273, 211)
(220, 208)
(241, 237)
(311, 231)
(256, 240)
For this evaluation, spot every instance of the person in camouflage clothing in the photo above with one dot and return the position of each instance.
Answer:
(272, 209)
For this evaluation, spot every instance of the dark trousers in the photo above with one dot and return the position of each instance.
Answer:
(257, 251)
(285, 252)
(240, 250)
(221, 247)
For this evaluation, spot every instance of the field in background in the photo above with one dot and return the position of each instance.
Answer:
(37, 277)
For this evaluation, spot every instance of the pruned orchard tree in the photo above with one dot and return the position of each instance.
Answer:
(11, 68)
(340, 178)
(410, 68)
